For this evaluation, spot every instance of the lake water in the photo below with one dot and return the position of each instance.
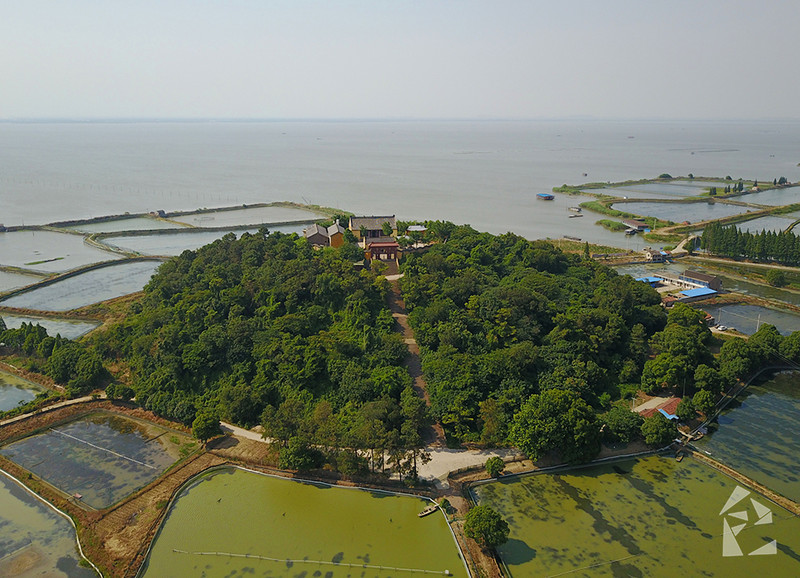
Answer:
(35, 540)
(102, 457)
(87, 288)
(770, 223)
(68, 328)
(774, 197)
(48, 252)
(482, 173)
(643, 517)
(307, 529)
(14, 390)
(758, 436)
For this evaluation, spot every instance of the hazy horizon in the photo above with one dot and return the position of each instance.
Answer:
(398, 60)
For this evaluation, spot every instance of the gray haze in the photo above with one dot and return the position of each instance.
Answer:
(401, 58)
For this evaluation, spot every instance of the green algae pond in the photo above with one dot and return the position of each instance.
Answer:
(757, 435)
(35, 539)
(650, 516)
(233, 522)
(15, 390)
(101, 457)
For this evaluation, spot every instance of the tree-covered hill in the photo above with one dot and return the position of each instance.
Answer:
(247, 327)
(500, 319)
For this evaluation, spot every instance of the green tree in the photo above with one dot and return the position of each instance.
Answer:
(622, 425)
(495, 466)
(776, 278)
(299, 455)
(703, 401)
(557, 419)
(685, 410)
(387, 229)
(658, 431)
(486, 526)
(205, 426)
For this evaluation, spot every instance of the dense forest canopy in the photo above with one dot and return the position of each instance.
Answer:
(266, 329)
(500, 319)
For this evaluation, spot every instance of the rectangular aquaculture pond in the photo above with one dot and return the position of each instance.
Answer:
(101, 457)
(87, 288)
(247, 216)
(680, 212)
(15, 390)
(757, 435)
(235, 522)
(35, 540)
(48, 251)
(173, 244)
(652, 516)
(68, 328)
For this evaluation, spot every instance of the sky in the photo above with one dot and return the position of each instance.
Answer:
(365, 59)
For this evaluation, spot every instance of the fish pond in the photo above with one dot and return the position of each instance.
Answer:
(68, 328)
(102, 457)
(176, 243)
(35, 540)
(247, 216)
(9, 280)
(773, 197)
(15, 391)
(267, 526)
(131, 224)
(757, 435)
(87, 288)
(748, 318)
(48, 252)
(650, 516)
(680, 212)
(729, 283)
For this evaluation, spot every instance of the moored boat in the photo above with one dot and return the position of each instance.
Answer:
(429, 510)
(545, 196)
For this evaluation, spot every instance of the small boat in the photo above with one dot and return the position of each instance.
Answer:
(575, 209)
(429, 510)
(545, 196)
(574, 216)
(679, 458)
(571, 238)
(631, 231)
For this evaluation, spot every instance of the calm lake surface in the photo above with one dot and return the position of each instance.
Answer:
(102, 457)
(34, 539)
(758, 436)
(87, 288)
(482, 173)
(322, 529)
(642, 517)
(14, 390)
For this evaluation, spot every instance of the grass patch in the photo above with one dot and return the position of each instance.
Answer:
(44, 261)
(612, 225)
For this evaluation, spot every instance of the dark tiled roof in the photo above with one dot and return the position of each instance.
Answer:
(372, 223)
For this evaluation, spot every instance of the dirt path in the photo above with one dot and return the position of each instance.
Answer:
(434, 436)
